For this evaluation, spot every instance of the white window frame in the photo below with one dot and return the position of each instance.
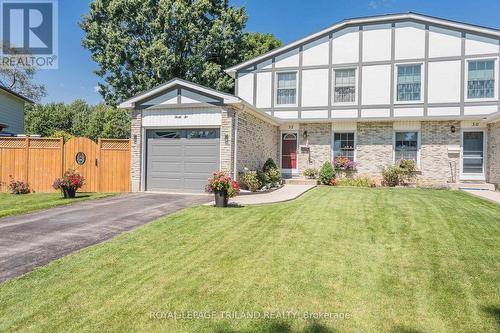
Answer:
(355, 156)
(466, 83)
(356, 86)
(419, 144)
(276, 89)
(422, 82)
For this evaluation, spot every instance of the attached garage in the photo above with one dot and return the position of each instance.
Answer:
(181, 160)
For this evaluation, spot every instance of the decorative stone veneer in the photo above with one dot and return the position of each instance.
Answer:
(493, 161)
(257, 141)
(226, 140)
(319, 142)
(437, 165)
(135, 163)
(374, 147)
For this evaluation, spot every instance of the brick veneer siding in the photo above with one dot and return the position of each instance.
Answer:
(493, 161)
(136, 131)
(436, 164)
(226, 148)
(257, 141)
(319, 141)
(374, 147)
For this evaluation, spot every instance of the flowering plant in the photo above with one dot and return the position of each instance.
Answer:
(18, 186)
(344, 163)
(71, 179)
(221, 182)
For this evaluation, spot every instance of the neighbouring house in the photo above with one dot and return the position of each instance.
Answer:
(12, 111)
(375, 89)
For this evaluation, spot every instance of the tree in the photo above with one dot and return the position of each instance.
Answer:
(19, 79)
(256, 44)
(139, 44)
(108, 122)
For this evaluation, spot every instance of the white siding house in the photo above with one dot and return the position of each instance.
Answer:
(11, 111)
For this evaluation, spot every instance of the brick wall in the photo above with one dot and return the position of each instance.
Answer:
(257, 141)
(135, 172)
(374, 147)
(494, 154)
(437, 165)
(226, 145)
(319, 141)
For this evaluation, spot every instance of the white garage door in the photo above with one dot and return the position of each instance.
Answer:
(181, 160)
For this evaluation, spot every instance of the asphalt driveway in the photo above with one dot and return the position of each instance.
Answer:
(32, 240)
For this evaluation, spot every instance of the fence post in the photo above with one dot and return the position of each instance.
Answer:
(99, 143)
(27, 161)
(61, 145)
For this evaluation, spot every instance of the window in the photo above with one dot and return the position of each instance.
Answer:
(343, 145)
(409, 83)
(167, 134)
(286, 88)
(345, 86)
(406, 146)
(481, 79)
(202, 134)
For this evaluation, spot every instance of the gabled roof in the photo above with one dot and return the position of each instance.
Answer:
(176, 82)
(494, 33)
(12, 92)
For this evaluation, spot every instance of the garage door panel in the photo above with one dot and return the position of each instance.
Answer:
(181, 164)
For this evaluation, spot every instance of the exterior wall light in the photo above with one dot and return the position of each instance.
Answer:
(453, 129)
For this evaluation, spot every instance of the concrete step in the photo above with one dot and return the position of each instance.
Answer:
(474, 186)
(301, 181)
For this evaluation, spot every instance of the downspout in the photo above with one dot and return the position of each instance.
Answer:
(235, 160)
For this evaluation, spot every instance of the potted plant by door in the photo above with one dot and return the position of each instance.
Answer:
(223, 188)
(69, 183)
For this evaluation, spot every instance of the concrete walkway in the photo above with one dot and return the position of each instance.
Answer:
(287, 192)
(488, 195)
(32, 240)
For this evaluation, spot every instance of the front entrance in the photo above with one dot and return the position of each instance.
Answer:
(473, 153)
(289, 152)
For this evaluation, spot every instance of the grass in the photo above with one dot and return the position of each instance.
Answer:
(11, 204)
(394, 260)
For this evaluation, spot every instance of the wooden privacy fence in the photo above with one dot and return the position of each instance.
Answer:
(38, 161)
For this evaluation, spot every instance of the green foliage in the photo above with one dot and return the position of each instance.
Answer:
(311, 173)
(360, 181)
(251, 180)
(256, 44)
(274, 175)
(326, 173)
(399, 174)
(269, 164)
(77, 119)
(140, 44)
(61, 134)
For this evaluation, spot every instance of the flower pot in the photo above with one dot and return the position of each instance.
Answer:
(68, 192)
(221, 198)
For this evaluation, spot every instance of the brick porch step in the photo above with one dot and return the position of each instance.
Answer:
(301, 181)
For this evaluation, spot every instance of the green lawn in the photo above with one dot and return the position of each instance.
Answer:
(394, 260)
(11, 204)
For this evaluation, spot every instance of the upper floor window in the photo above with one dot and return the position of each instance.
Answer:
(286, 89)
(481, 79)
(409, 83)
(345, 86)
(406, 146)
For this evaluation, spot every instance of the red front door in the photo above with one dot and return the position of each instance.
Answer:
(288, 151)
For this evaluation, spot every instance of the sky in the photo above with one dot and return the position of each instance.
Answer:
(288, 20)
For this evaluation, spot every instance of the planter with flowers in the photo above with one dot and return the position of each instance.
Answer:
(344, 166)
(69, 183)
(223, 188)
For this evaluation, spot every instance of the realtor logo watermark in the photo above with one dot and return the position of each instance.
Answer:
(29, 33)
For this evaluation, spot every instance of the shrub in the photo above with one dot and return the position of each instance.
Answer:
(251, 181)
(391, 175)
(270, 164)
(263, 178)
(408, 169)
(61, 134)
(326, 173)
(18, 187)
(344, 163)
(311, 173)
(360, 181)
(274, 176)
